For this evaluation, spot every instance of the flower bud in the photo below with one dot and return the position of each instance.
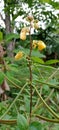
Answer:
(19, 55)
(23, 35)
(36, 26)
(36, 20)
(27, 30)
(29, 18)
(23, 30)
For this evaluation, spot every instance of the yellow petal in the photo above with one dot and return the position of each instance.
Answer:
(23, 36)
(41, 45)
(19, 55)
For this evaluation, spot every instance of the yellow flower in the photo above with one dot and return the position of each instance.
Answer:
(23, 35)
(19, 55)
(34, 44)
(41, 45)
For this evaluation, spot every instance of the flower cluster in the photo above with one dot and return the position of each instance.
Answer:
(36, 24)
(36, 43)
(40, 44)
(25, 30)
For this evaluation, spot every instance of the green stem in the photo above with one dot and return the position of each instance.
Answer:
(30, 71)
(13, 101)
(50, 110)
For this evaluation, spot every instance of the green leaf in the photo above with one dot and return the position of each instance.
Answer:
(27, 103)
(22, 123)
(30, 2)
(1, 77)
(11, 36)
(54, 81)
(22, 108)
(55, 4)
(35, 126)
(49, 62)
(46, 88)
(45, 1)
(35, 53)
(55, 127)
(1, 36)
(38, 60)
